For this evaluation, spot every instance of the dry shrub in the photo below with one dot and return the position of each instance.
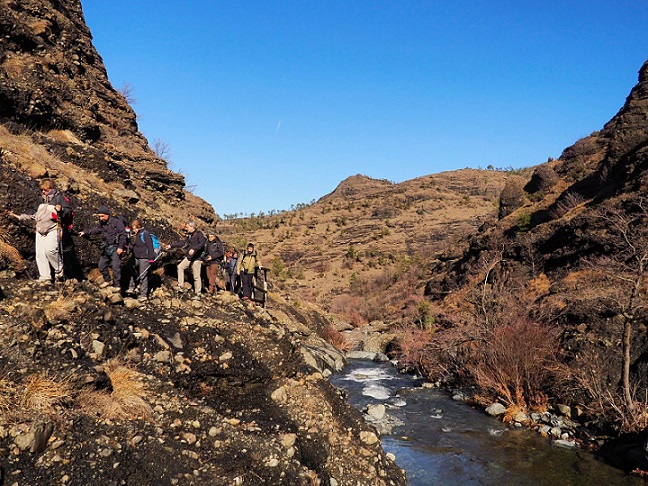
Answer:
(336, 339)
(594, 374)
(539, 287)
(127, 400)
(413, 346)
(60, 310)
(44, 394)
(9, 255)
(516, 363)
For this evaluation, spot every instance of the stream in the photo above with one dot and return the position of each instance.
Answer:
(444, 442)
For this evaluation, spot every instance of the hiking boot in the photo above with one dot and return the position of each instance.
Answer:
(180, 290)
(103, 285)
(130, 291)
(44, 282)
(142, 298)
(195, 297)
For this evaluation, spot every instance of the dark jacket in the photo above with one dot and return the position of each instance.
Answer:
(194, 241)
(214, 251)
(112, 232)
(143, 245)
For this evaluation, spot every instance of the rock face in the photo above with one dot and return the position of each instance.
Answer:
(60, 117)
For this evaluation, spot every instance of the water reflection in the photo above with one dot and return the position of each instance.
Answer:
(444, 442)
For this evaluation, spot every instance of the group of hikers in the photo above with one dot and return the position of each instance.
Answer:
(119, 239)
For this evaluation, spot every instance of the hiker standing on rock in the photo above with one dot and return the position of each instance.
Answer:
(213, 257)
(144, 256)
(52, 211)
(114, 241)
(245, 268)
(193, 244)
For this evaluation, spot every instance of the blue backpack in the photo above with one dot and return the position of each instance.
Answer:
(157, 248)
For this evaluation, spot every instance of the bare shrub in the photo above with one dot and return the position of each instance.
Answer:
(336, 339)
(566, 203)
(414, 349)
(516, 362)
(127, 92)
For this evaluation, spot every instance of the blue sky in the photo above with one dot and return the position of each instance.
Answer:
(265, 104)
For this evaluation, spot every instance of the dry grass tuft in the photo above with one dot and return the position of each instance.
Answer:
(60, 310)
(127, 400)
(9, 255)
(44, 393)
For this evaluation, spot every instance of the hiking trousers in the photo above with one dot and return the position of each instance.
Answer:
(115, 263)
(246, 283)
(213, 276)
(140, 276)
(196, 266)
(47, 255)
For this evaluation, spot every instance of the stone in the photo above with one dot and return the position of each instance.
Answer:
(496, 409)
(376, 411)
(564, 410)
(163, 356)
(368, 438)
(98, 348)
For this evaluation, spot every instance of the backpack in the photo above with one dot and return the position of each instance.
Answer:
(157, 248)
(67, 219)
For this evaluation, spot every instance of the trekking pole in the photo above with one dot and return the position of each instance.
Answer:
(139, 278)
(59, 236)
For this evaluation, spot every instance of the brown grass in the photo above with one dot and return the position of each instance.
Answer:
(43, 394)
(127, 400)
(9, 255)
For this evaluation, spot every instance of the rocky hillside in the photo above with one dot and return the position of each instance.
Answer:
(563, 272)
(363, 250)
(98, 389)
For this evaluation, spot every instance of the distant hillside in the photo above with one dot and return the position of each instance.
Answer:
(362, 250)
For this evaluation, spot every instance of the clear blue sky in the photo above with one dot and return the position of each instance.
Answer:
(265, 104)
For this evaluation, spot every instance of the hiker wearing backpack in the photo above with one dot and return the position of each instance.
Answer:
(114, 244)
(144, 255)
(212, 259)
(193, 244)
(245, 268)
(53, 211)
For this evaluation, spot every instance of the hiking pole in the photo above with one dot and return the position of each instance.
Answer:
(141, 275)
(59, 237)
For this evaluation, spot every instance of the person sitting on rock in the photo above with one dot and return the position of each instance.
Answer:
(144, 256)
(245, 268)
(193, 244)
(52, 209)
(213, 257)
(114, 242)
